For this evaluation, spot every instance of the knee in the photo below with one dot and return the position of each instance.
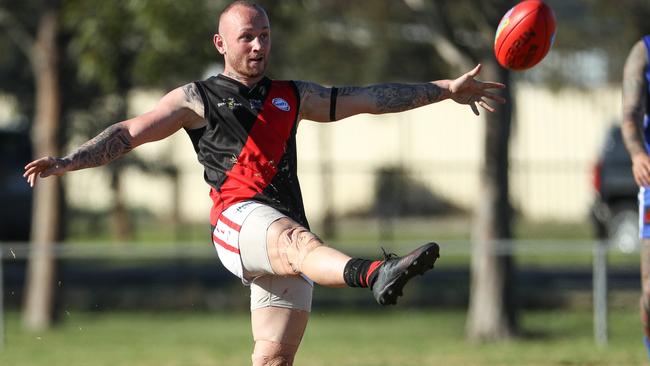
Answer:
(274, 361)
(268, 353)
(298, 243)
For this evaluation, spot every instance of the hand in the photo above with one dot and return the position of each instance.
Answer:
(641, 169)
(44, 167)
(467, 90)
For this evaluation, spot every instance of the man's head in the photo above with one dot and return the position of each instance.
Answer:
(244, 39)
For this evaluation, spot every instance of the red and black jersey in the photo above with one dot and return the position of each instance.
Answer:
(248, 148)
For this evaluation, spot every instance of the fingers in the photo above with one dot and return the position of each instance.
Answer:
(497, 98)
(33, 169)
(641, 172)
(33, 175)
(475, 71)
(31, 179)
(492, 85)
(486, 106)
(42, 167)
(474, 108)
(35, 166)
(644, 179)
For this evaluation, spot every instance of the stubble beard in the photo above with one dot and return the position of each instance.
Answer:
(241, 68)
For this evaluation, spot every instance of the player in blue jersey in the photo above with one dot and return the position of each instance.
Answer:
(636, 134)
(243, 127)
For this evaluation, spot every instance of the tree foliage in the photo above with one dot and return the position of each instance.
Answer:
(121, 44)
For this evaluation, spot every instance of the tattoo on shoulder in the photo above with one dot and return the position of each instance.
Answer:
(191, 93)
(307, 89)
(193, 98)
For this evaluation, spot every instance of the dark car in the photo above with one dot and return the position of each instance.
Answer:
(614, 212)
(15, 193)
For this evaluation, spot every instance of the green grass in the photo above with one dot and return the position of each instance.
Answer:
(333, 338)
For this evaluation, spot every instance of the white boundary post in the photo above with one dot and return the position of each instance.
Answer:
(600, 292)
(2, 299)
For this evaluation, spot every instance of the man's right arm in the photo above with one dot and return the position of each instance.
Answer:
(182, 107)
(634, 97)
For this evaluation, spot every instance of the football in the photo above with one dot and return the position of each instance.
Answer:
(524, 35)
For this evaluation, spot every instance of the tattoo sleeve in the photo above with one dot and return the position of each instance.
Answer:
(634, 94)
(109, 145)
(388, 98)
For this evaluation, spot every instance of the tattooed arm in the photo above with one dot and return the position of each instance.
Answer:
(634, 96)
(316, 100)
(182, 107)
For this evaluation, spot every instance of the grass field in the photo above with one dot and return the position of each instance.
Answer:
(333, 338)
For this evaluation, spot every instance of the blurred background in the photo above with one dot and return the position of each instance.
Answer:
(534, 206)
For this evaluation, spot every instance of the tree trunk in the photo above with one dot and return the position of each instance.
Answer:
(121, 220)
(329, 227)
(45, 220)
(122, 229)
(492, 311)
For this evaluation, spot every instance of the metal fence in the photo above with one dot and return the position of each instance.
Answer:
(598, 250)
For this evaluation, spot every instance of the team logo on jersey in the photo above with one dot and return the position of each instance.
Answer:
(281, 104)
(231, 103)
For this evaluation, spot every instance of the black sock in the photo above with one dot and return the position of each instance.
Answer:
(361, 272)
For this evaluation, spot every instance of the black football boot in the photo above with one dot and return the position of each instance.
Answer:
(396, 271)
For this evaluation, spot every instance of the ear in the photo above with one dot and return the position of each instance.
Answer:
(219, 43)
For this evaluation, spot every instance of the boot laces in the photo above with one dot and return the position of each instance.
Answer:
(387, 255)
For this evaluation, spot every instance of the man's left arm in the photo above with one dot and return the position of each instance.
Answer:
(323, 104)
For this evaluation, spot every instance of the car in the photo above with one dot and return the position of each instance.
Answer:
(15, 193)
(614, 211)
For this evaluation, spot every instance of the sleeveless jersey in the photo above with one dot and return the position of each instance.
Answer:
(248, 148)
(646, 118)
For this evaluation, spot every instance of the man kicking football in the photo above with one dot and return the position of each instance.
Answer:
(243, 127)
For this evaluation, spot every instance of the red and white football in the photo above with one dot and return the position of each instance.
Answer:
(524, 35)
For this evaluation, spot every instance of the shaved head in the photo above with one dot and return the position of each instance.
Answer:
(234, 4)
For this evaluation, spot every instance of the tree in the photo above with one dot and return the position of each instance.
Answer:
(107, 48)
(462, 32)
(42, 53)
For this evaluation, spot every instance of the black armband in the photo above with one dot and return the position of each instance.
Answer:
(333, 96)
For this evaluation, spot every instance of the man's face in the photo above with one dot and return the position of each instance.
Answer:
(245, 41)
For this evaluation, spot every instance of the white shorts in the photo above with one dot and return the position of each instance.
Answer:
(240, 240)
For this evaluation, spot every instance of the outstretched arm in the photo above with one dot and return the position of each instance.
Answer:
(634, 95)
(318, 103)
(182, 107)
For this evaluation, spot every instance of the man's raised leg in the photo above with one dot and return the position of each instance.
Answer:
(292, 250)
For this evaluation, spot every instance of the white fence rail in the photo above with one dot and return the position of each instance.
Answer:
(599, 251)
